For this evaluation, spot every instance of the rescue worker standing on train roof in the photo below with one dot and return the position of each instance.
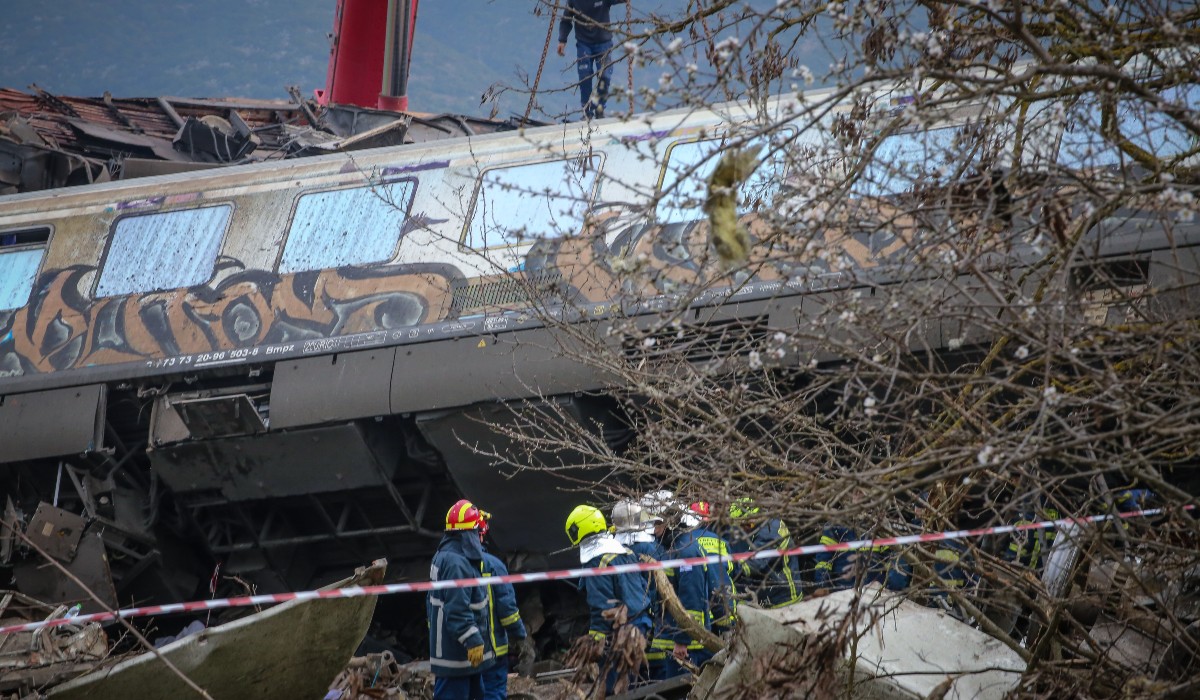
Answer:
(598, 549)
(458, 617)
(723, 604)
(504, 622)
(593, 46)
(772, 582)
(695, 585)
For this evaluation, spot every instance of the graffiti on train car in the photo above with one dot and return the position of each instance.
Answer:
(253, 314)
(62, 328)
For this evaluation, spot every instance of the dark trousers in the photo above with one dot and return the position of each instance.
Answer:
(495, 680)
(594, 62)
(458, 687)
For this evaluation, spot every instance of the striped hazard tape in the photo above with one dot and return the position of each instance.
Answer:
(391, 588)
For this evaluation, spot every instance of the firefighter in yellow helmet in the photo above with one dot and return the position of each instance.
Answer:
(587, 529)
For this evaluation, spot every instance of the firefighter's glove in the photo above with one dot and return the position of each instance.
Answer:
(526, 654)
(475, 655)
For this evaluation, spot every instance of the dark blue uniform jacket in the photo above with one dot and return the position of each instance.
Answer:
(695, 585)
(590, 19)
(458, 617)
(607, 592)
(504, 618)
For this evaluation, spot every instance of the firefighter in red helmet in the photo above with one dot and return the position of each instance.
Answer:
(458, 617)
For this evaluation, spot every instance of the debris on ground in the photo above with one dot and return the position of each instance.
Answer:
(288, 651)
(861, 643)
(35, 659)
(381, 676)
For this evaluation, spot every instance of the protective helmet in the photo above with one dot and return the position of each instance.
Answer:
(701, 508)
(628, 516)
(584, 521)
(463, 515)
(485, 523)
(659, 504)
(742, 508)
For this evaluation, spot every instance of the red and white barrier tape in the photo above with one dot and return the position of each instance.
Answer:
(385, 589)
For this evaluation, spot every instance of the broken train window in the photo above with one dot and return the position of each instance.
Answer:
(163, 250)
(21, 255)
(355, 226)
(689, 164)
(521, 204)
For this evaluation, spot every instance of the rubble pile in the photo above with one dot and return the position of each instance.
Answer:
(381, 676)
(33, 660)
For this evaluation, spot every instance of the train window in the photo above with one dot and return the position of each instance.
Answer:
(689, 165)
(905, 160)
(163, 250)
(524, 203)
(21, 255)
(354, 226)
(1084, 145)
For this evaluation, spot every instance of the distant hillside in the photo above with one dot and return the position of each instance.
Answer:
(254, 48)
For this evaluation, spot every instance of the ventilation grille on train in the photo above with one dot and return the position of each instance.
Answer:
(510, 291)
(715, 339)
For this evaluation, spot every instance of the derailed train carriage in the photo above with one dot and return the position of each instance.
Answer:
(284, 367)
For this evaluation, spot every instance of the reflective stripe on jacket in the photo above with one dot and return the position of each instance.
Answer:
(503, 616)
(458, 617)
(775, 581)
(607, 592)
(723, 603)
(695, 586)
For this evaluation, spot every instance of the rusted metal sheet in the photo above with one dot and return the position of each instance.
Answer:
(293, 650)
(51, 423)
(83, 133)
(332, 388)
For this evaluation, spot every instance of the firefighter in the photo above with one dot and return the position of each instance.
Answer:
(836, 571)
(635, 528)
(773, 582)
(723, 603)
(694, 585)
(458, 619)
(587, 530)
(504, 622)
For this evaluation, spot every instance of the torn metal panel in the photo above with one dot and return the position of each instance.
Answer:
(52, 423)
(293, 650)
(219, 416)
(78, 140)
(147, 145)
(56, 531)
(89, 565)
(903, 651)
(212, 139)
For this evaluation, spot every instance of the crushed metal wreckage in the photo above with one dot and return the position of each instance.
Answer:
(900, 650)
(49, 141)
(288, 651)
(49, 655)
